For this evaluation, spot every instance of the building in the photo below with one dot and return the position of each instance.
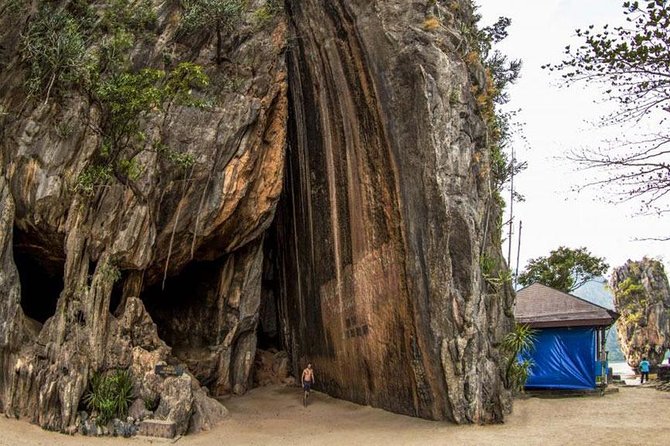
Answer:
(569, 350)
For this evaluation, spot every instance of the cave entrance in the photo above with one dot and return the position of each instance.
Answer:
(40, 274)
(272, 364)
(215, 326)
(184, 312)
(268, 331)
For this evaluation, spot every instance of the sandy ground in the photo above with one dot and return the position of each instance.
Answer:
(274, 416)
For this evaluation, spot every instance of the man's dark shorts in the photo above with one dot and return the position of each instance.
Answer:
(307, 386)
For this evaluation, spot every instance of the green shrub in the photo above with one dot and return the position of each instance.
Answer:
(220, 15)
(92, 177)
(130, 168)
(487, 264)
(64, 129)
(53, 46)
(110, 272)
(109, 395)
(521, 339)
(202, 14)
(151, 404)
(488, 267)
(13, 7)
(112, 57)
(183, 161)
(267, 12)
(136, 16)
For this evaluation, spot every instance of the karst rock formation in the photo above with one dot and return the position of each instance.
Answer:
(642, 297)
(338, 205)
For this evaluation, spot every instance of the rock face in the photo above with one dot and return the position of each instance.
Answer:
(642, 297)
(367, 112)
(83, 259)
(388, 211)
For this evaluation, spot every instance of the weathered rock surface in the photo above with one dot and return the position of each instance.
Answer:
(158, 428)
(271, 367)
(642, 297)
(372, 270)
(83, 259)
(388, 209)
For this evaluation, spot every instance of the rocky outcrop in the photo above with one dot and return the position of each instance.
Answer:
(84, 258)
(371, 270)
(388, 211)
(642, 297)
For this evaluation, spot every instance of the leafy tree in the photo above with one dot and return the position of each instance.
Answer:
(126, 101)
(564, 269)
(222, 15)
(631, 63)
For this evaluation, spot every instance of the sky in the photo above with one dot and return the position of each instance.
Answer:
(557, 120)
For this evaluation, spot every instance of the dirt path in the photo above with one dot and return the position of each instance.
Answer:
(274, 416)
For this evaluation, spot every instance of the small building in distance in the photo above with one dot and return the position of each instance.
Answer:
(570, 336)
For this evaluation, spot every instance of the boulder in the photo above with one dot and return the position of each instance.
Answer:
(207, 412)
(158, 428)
(176, 404)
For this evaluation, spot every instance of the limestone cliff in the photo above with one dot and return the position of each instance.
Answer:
(642, 297)
(83, 257)
(369, 114)
(388, 210)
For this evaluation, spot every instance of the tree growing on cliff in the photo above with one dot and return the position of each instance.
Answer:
(631, 63)
(564, 269)
(53, 46)
(501, 73)
(126, 100)
(58, 47)
(221, 15)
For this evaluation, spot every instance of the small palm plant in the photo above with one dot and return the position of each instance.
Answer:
(109, 395)
(520, 340)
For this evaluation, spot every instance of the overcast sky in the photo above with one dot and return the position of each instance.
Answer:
(557, 120)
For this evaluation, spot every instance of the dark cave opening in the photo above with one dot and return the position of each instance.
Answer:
(188, 318)
(268, 331)
(40, 274)
(117, 294)
(193, 316)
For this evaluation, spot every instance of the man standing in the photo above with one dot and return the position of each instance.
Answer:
(307, 381)
(644, 370)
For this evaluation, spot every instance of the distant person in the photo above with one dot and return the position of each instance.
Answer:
(307, 381)
(644, 370)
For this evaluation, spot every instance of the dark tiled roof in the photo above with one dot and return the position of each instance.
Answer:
(540, 306)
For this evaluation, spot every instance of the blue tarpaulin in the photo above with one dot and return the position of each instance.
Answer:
(563, 358)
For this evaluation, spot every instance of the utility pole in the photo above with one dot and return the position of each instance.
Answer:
(518, 252)
(511, 211)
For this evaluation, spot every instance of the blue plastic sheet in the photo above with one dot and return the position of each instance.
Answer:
(563, 358)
